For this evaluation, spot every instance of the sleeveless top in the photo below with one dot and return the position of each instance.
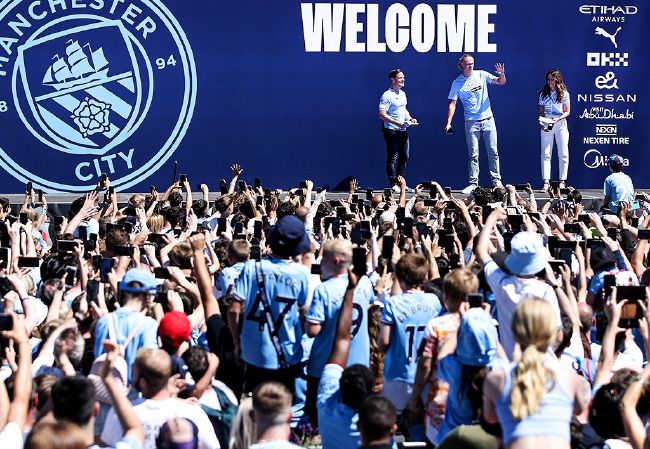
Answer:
(552, 418)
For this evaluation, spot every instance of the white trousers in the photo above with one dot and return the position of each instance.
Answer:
(559, 133)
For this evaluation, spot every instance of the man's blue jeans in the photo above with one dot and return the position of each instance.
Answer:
(474, 129)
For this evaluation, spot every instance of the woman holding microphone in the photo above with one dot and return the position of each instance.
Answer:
(554, 108)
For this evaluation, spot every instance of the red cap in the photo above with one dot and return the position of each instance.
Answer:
(174, 329)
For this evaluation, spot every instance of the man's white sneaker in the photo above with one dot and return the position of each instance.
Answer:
(469, 189)
(396, 189)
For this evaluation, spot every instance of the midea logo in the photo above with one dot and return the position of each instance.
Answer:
(593, 159)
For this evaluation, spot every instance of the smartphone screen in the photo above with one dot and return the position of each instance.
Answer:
(24, 217)
(609, 281)
(105, 267)
(387, 247)
(4, 258)
(28, 262)
(70, 276)
(221, 225)
(256, 252)
(359, 266)
(182, 179)
(161, 273)
(92, 290)
(66, 246)
(475, 300)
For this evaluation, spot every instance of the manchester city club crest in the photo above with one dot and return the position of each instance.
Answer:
(109, 87)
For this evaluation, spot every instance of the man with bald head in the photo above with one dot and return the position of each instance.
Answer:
(151, 372)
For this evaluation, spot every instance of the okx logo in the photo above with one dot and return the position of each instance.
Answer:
(104, 87)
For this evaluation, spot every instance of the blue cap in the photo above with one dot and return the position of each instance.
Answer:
(144, 277)
(615, 159)
(288, 237)
(477, 339)
(527, 254)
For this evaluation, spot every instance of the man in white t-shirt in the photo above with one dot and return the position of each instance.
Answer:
(151, 372)
(527, 258)
(272, 416)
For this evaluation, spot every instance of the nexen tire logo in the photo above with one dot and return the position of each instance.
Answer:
(78, 83)
(593, 159)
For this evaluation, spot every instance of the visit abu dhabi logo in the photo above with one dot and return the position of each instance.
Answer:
(91, 87)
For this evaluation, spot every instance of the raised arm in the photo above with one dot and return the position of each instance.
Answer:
(500, 68)
(23, 380)
(341, 346)
(484, 237)
(123, 408)
(203, 277)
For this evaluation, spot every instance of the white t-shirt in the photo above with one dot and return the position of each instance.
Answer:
(153, 414)
(11, 436)
(211, 399)
(508, 291)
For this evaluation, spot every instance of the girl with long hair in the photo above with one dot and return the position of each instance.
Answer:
(534, 397)
(554, 108)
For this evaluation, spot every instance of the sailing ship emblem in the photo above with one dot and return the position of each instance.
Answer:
(79, 68)
(87, 98)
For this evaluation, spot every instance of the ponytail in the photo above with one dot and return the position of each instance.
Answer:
(529, 383)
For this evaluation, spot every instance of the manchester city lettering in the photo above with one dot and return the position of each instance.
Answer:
(78, 77)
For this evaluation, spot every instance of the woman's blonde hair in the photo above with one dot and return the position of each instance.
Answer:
(533, 328)
(57, 435)
(155, 223)
(242, 432)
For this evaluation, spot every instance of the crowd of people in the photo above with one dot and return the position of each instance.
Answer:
(275, 319)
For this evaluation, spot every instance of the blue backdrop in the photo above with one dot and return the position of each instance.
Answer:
(212, 83)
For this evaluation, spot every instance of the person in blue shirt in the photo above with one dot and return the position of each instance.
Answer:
(238, 253)
(404, 321)
(464, 359)
(342, 390)
(323, 315)
(270, 356)
(471, 87)
(127, 322)
(618, 186)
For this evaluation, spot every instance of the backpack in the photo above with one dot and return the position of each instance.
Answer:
(221, 419)
(120, 367)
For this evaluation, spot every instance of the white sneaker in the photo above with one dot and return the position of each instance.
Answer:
(469, 189)
(396, 189)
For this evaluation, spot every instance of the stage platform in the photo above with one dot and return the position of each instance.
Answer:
(59, 203)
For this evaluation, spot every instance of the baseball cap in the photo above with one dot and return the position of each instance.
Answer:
(601, 257)
(288, 237)
(386, 217)
(527, 254)
(615, 159)
(174, 329)
(477, 338)
(144, 277)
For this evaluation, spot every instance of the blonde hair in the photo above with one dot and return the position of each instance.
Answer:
(242, 432)
(338, 248)
(533, 330)
(458, 283)
(155, 223)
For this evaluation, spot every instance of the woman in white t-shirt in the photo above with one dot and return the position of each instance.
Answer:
(554, 108)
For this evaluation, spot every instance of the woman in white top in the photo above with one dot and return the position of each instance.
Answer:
(554, 104)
